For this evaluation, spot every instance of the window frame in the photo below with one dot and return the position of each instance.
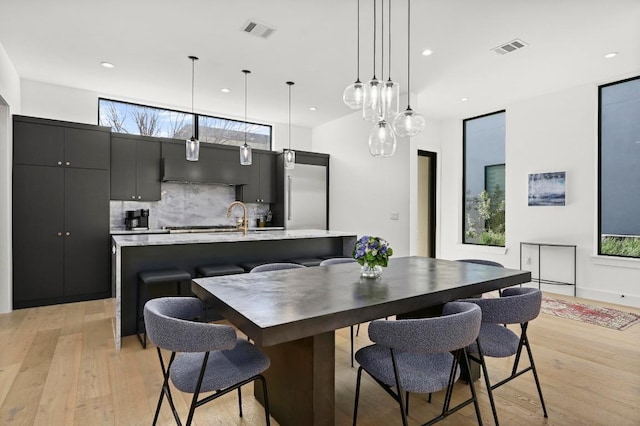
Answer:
(463, 221)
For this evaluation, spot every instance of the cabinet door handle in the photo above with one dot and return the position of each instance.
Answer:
(139, 197)
(133, 197)
(59, 234)
(67, 233)
(68, 163)
(59, 163)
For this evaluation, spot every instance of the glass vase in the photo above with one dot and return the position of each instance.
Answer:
(368, 271)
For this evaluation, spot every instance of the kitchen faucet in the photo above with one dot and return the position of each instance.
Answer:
(245, 221)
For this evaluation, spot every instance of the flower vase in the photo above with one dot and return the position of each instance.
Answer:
(369, 271)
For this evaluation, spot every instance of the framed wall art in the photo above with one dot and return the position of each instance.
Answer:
(547, 189)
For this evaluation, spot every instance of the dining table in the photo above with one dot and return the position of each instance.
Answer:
(292, 315)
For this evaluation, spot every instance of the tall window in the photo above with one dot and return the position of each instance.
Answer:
(125, 117)
(619, 168)
(483, 180)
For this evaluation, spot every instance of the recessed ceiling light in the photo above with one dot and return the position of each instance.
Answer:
(313, 108)
(107, 64)
(225, 90)
(464, 99)
(611, 55)
(427, 52)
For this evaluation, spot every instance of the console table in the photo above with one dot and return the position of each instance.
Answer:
(539, 278)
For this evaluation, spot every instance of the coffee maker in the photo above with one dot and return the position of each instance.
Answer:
(136, 219)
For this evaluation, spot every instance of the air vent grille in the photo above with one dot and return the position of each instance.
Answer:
(258, 30)
(509, 47)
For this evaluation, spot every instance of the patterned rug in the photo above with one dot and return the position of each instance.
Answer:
(604, 317)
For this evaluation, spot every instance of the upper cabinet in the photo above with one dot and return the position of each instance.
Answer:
(60, 144)
(262, 175)
(217, 164)
(135, 168)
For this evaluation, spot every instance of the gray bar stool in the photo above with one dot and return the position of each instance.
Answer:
(218, 270)
(148, 279)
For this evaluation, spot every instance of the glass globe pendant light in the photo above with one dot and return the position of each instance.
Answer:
(245, 150)
(353, 95)
(409, 122)
(382, 140)
(372, 106)
(289, 155)
(192, 144)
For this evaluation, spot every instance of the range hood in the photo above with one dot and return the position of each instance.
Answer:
(217, 165)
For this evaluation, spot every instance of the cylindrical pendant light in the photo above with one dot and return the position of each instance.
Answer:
(245, 150)
(289, 155)
(192, 144)
(409, 122)
(353, 95)
(390, 90)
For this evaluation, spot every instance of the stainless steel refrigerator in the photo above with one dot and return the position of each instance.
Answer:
(305, 201)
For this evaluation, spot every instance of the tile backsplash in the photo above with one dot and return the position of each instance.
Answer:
(188, 204)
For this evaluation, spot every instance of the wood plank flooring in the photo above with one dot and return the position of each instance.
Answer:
(58, 366)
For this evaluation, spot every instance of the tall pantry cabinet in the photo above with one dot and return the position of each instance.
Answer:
(60, 212)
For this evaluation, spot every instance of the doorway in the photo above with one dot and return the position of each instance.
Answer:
(426, 240)
(6, 157)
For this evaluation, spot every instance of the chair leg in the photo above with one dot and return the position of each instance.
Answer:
(266, 399)
(351, 332)
(142, 338)
(534, 371)
(196, 393)
(407, 403)
(485, 373)
(358, 330)
(165, 389)
(399, 387)
(355, 405)
(240, 401)
(474, 396)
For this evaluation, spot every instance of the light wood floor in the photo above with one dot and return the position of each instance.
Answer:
(58, 366)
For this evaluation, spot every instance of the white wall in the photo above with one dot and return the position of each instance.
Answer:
(365, 191)
(554, 132)
(9, 103)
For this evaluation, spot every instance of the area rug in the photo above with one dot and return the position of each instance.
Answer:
(604, 317)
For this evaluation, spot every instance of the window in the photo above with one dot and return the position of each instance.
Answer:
(484, 180)
(619, 168)
(134, 119)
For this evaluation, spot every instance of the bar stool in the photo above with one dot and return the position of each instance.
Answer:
(147, 279)
(218, 270)
(307, 261)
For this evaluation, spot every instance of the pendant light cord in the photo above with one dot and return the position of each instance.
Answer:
(193, 73)
(246, 73)
(290, 83)
(382, 40)
(358, 47)
(374, 38)
(408, 54)
(389, 40)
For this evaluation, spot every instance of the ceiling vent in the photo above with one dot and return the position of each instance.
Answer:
(258, 30)
(512, 46)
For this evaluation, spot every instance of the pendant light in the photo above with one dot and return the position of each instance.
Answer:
(408, 123)
(193, 144)
(289, 155)
(245, 150)
(353, 95)
(372, 108)
(390, 90)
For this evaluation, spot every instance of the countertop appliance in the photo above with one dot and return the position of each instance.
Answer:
(305, 201)
(136, 219)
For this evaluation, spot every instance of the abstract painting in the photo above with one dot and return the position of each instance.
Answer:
(547, 189)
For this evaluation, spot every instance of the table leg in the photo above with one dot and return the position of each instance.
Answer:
(301, 381)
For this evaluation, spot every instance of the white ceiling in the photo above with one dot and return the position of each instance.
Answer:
(63, 42)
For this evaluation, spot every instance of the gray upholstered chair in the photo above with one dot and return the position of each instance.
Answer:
(276, 267)
(204, 357)
(422, 356)
(517, 305)
(335, 261)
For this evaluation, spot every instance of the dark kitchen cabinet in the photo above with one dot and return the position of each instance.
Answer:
(262, 174)
(48, 143)
(60, 218)
(135, 169)
(217, 164)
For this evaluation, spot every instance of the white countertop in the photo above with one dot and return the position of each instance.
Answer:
(221, 237)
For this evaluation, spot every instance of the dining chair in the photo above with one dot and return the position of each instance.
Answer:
(422, 356)
(335, 261)
(484, 262)
(516, 305)
(276, 267)
(204, 357)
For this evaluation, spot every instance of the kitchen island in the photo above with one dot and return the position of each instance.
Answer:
(132, 254)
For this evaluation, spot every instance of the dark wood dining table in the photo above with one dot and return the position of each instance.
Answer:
(292, 316)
